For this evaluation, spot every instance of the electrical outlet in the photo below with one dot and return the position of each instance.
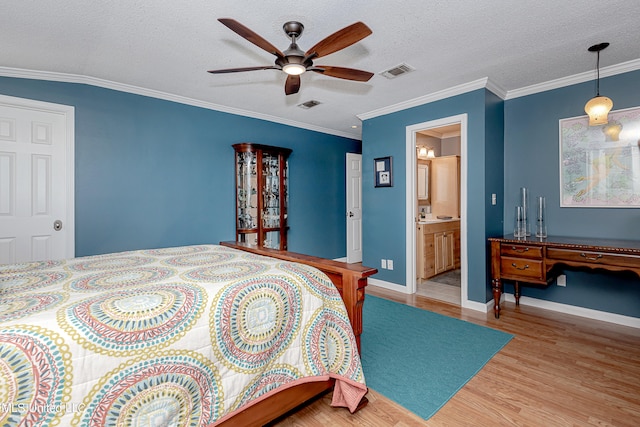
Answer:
(383, 264)
(390, 264)
(561, 280)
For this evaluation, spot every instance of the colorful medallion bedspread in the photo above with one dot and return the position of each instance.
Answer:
(170, 337)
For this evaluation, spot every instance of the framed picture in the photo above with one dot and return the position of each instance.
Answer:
(383, 174)
(600, 165)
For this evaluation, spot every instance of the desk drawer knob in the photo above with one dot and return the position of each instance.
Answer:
(513, 248)
(590, 258)
(513, 264)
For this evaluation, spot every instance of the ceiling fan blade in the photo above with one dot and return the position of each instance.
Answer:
(343, 73)
(339, 40)
(248, 34)
(292, 85)
(237, 70)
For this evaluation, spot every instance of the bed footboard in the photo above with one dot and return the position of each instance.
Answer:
(350, 279)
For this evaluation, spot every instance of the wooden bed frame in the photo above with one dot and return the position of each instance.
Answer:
(351, 280)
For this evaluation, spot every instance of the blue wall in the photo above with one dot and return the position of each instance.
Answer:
(153, 173)
(384, 208)
(511, 144)
(494, 177)
(532, 161)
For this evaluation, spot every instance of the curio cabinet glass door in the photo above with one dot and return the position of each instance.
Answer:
(261, 195)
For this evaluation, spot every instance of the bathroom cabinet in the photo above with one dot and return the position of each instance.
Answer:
(438, 247)
(445, 186)
(423, 180)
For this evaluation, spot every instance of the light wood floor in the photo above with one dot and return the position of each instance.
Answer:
(438, 291)
(558, 370)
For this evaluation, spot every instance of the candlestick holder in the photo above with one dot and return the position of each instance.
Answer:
(518, 228)
(524, 202)
(541, 226)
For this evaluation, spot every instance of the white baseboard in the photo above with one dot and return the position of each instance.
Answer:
(388, 285)
(603, 316)
(478, 306)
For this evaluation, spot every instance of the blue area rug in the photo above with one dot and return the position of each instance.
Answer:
(420, 359)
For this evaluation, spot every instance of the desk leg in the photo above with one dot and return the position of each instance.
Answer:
(496, 284)
(516, 292)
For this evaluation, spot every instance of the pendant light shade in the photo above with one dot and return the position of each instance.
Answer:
(612, 130)
(598, 110)
(598, 107)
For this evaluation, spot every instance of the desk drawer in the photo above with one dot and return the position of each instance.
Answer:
(516, 250)
(522, 269)
(594, 257)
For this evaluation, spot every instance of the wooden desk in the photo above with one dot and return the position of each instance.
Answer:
(537, 261)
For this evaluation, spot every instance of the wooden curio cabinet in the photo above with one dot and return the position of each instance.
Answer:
(261, 195)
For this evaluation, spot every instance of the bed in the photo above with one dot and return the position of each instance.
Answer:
(196, 335)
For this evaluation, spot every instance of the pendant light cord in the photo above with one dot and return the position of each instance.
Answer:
(598, 80)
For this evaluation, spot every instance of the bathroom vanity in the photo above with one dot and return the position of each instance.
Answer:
(438, 246)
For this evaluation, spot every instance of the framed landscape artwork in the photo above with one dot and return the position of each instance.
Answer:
(600, 165)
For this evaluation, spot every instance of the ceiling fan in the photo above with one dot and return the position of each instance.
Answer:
(294, 61)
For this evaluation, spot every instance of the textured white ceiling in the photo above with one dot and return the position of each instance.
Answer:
(167, 46)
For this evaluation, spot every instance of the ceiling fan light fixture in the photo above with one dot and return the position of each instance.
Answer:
(598, 107)
(294, 69)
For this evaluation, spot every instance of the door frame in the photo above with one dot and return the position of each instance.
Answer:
(68, 112)
(411, 202)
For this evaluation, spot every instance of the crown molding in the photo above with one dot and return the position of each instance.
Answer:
(612, 70)
(483, 83)
(434, 134)
(107, 84)
(497, 90)
(587, 76)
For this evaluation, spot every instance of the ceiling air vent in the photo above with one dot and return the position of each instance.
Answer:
(397, 71)
(309, 104)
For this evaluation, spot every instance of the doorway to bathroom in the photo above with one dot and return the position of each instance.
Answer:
(436, 209)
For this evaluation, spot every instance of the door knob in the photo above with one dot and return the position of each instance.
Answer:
(57, 225)
(350, 214)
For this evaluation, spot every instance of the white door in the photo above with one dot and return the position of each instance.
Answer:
(36, 181)
(354, 207)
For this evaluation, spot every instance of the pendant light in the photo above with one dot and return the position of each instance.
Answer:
(598, 108)
(612, 130)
